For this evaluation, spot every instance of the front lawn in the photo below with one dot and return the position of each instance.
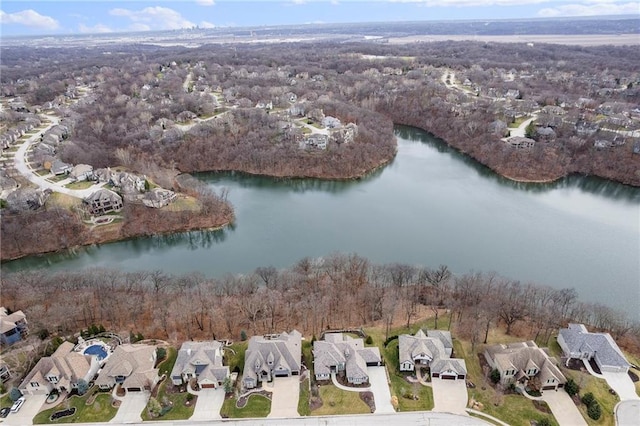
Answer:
(177, 400)
(600, 390)
(337, 401)
(400, 387)
(83, 184)
(303, 403)
(257, 406)
(99, 411)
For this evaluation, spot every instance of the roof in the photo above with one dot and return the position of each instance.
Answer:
(205, 358)
(103, 195)
(339, 348)
(284, 350)
(433, 345)
(8, 321)
(522, 357)
(66, 364)
(602, 345)
(133, 361)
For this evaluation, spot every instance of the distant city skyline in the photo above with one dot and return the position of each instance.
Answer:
(58, 17)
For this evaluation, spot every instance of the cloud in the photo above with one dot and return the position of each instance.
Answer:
(205, 24)
(592, 8)
(153, 18)
(29, 18)
(465, 3)
(205, 2)
(98, 28)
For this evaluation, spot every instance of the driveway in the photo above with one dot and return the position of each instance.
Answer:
(622, 384)
(449, 396)
(285, 393)
(131, 407)
(31, 407)
(563, 408)
(380, 389)
(628, 413)
(208, 405)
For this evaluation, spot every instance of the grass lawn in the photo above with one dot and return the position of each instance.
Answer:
(6, 401)
(63, 200)
(84, 184)
(518, 121)
(512, 409)
(234, 355)
(42, 172)
(100, 411)
(257, 406)
(600, 390)
(184, 203)
(303, 402)
(337, 401)
(166, 366)
(400, 386)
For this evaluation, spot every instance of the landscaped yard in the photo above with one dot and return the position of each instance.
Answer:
(512, 409)
(257, 406)
(303, 402)
(600, 390)
(234, 355)
(401, 388)
(337, 401)
(100, 410)
(84, 184)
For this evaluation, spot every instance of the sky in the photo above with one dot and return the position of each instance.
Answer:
(53, 17)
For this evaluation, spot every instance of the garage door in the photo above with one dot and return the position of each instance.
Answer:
(134, 390)
(448, 377)
(208, 386)
(281, 374)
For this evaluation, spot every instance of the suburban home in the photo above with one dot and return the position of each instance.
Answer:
(520, 142)
(576, 342)
(132, 367)
(103, 201)
(81, 172)
(62, 371)
(13, 327)
(317, 140)
(523, 362)
(202, 361)
(339, 353)
(432, 350)
(158, 198)
(59, 168)
(271, 356)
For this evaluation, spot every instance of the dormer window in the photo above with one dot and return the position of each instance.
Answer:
(34, 384)
(52, 379)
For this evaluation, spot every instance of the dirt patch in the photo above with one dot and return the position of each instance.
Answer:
(542, 406)
(368, 399)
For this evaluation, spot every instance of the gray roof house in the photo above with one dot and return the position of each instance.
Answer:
(577, 342)
(270, 356)
(523, 361)
(103, 201)
(432, 350)
(339, 353)
(200, 360)
(61, 371)
(131, 366)
(81, 172)
(158, 198)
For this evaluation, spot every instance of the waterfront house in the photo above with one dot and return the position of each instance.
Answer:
(202, 361)
(578, 343)
(432, 350)
(103, 201)
(13, 327)
(339, 353)
(132, 367)
(271, 356)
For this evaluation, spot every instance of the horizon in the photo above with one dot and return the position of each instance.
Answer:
(50, 18)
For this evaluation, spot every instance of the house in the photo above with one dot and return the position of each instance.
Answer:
(60, 168)
(202, 361)
(132, 367)
(339, 353)
(524, 362)
(432, 350)
(103, 201)
(81, 172)
(61, 371)
(158, 198)
(520, 142)
(271, 356)
(578, 343)
(316, 140)
(13, 327)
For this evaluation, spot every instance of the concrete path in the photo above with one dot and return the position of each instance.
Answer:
(347, 388)
(131, 407)
(31, 407)
(208, 404)
(563, 408)
(449, 396)
(380, 389)
(628, 412)
(285, 393)
(622, 384)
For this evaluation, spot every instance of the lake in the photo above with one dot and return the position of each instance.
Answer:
(430, 206)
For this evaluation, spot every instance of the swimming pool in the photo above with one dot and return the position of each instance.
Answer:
(98, 350)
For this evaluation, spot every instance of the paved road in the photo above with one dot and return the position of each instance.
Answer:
(628, 412)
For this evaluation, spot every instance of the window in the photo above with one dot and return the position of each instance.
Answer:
(52, 379)
(35, 384)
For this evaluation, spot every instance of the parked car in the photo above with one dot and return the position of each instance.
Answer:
(16, 405)
(4, 412)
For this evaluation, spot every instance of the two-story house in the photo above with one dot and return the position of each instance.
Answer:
(202, 361)
(271, 356)
(13, 327)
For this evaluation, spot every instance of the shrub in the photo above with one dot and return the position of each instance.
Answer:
(390, 339)
(243, 335)
(15, 394)
(161, 353)
(369, 340)
(571, 387)
(588, 399)
(83, 387)
(154, 407)
(594, 411)
(544, 422)
(495, 376)
(43, 333)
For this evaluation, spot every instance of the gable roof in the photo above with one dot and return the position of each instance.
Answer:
(602, 345)
(522, 357)
(65, 364)
(434, 345)
(201, 358)
(273, 352)
(339, 348)
(135, 362)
